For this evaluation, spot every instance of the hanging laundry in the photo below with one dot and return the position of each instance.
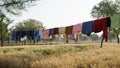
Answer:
(22, 34)
(69, 29)
(115, 21)
(39, 38)
(108, 22)
(18, 35)
(45, 34)
(41, 31)
(22, 39)
(31, 35)
(87, 27)
(101, 24)
(56, 31)
(36, 33)
(51, 31)
(77, 28)
(62, 30)
(13, 35)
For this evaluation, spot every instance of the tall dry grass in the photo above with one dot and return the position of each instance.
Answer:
(87, 55)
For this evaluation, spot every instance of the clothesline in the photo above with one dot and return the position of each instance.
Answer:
(86, 28)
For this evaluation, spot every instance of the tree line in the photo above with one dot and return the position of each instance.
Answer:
(9, 8)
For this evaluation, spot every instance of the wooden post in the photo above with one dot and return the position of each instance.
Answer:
(118, 39)
(66, 38)
(102, 42)
(76, 38)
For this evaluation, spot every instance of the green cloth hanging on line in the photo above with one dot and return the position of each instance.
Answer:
(115, 21)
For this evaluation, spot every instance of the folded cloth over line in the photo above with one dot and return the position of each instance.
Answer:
(69, 29)
(101, 24)
(77, 28)
(87, 27)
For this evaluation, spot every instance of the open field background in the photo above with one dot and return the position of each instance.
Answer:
(83, 55)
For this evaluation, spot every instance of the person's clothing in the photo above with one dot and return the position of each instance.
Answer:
(77, 28)
(101, 24)
(87, 27)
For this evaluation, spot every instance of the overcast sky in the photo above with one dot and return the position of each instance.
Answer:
(57, 13)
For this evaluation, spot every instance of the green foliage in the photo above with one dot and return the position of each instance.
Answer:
(70, 37)
(8, 9)
(93, 57)
(14, 7)
(111, 36)
(29, 24)
(48, 52)
(83, 38)
(45, 52)
(94, 37)
(59, 50)
(5, 33)
(105, 8)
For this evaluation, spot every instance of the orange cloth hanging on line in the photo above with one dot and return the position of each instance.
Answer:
(69, 29)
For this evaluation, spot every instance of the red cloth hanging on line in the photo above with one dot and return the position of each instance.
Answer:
(101, 24)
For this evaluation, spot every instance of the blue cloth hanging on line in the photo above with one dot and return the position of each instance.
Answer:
(13, 35)
(22, 34)
(40, 32)
(51, 31)
(31, 34)
(87, 27)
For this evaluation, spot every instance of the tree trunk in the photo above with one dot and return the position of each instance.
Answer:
(110, 37)
(102, 42)
(118, 39)
(1, 36)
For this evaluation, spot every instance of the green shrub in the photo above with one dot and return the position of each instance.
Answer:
(48, 52)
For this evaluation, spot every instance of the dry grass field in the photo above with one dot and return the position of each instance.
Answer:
(83, 55)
